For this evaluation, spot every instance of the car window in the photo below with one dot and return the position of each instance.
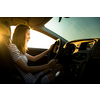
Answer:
(75, 28)
(37, 39)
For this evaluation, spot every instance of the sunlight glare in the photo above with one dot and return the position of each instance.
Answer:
(1, 38)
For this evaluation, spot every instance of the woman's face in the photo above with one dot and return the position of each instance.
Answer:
(27, 35)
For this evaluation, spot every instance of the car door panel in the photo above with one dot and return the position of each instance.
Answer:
(36, 51)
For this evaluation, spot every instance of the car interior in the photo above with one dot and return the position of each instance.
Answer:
(80, 58)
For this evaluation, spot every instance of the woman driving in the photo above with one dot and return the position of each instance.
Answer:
(18, 49)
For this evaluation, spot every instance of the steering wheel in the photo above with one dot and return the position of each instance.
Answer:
(56, 50)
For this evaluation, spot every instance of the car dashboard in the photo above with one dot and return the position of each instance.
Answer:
(78, 59)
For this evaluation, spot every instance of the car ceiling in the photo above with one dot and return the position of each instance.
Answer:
(31, 21)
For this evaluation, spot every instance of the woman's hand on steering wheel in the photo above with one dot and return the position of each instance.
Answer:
(55, 49)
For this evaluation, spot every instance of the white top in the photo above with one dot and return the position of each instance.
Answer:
(16, 55)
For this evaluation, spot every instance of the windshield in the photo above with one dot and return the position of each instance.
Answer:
(74, 28)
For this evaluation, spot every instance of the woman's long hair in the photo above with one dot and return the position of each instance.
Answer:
(19, 38)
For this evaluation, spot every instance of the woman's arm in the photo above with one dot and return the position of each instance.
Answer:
(34, 69)
(39, 56)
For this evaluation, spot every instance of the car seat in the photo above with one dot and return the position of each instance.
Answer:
(8, 72)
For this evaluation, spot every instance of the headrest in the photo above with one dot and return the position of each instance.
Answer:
(5, 28)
